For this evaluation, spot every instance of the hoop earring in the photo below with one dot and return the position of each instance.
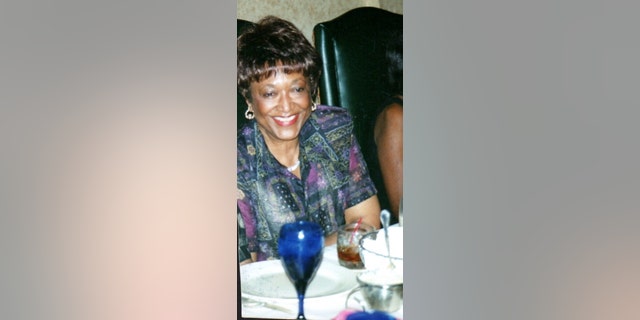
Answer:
(314, 106)
(249, 114)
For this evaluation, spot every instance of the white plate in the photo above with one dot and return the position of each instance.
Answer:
(268, 280)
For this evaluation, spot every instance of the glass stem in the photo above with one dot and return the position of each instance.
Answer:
(301, 307)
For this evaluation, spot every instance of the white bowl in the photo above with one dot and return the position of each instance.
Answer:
(373, 250)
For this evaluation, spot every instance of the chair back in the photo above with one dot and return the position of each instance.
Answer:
(354, 71)
(242, 105)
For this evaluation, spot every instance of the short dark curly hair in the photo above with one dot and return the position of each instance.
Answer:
(274, 44)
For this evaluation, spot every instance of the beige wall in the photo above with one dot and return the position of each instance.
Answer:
(392, 5)
(305, 14)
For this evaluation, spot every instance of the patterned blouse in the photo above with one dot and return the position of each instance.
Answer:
(334, 177)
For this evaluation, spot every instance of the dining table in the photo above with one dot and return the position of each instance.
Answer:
(323, 306)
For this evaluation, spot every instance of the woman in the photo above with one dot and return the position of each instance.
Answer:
(387, 132)
(296, 160)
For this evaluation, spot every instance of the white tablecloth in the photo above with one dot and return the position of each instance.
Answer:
(317, 308)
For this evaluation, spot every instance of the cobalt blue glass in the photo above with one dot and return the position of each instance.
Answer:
(370, 315)
(300, 247)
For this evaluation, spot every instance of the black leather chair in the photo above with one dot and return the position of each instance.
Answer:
(242, 105)
(354, 71)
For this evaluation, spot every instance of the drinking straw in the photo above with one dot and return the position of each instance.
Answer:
(355, 229)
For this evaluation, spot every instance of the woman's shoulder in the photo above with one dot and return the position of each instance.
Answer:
(391, 114)
(246, 133)
(245, 148)
(330, 117)
(324, 110)
(393, 110)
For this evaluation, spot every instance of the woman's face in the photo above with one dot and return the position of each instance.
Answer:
(281, 105)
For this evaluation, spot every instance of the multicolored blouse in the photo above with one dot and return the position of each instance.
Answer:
(334, 177)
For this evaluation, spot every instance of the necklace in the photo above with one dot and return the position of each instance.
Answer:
(294, 166)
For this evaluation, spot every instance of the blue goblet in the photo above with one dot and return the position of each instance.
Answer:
(300, 247)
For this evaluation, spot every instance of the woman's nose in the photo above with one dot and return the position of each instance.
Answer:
(285, 102)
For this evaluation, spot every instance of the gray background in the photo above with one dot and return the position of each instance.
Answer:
(521, 159)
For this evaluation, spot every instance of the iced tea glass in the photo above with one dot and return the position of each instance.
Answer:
(349, 236)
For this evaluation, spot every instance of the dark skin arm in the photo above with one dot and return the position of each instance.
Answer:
(388, 138)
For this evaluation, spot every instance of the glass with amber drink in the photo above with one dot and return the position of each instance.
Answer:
(349, 236)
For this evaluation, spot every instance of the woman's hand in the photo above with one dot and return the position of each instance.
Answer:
(331, 239)
(254, 257)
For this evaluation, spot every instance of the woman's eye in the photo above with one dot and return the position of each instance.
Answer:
(298, 89)
(268, 94)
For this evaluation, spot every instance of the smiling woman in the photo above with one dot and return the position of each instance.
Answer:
(296, 160)
(281, 105)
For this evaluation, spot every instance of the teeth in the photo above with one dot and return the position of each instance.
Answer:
(289, 118)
